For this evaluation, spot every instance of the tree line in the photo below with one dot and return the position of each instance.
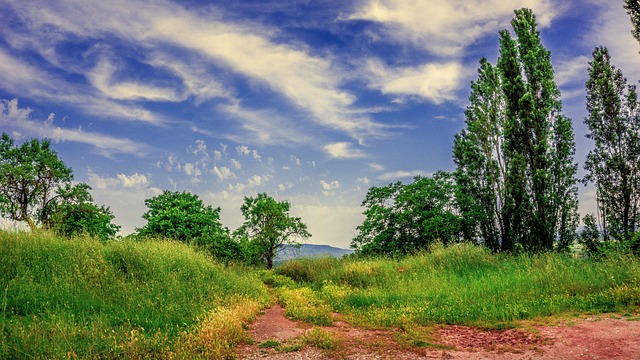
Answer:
(36, 187)
(515, 184)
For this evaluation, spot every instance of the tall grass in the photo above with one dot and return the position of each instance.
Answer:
(86, 298)
(466, 284)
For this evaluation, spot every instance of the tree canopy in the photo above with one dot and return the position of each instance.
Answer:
(403, 219)
(269, 227)
(515, 159)
(181, 216)
(614, 163)
(30, 174)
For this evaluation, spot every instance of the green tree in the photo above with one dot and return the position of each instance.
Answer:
(269, 227)
(541, 203)
(403, 219)
(613, 165)
(183, 216)
(515, 160)
(74, 213)
(479, 155)
(633, 9)
(30, 176)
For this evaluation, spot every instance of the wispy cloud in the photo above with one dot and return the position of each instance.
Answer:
(309, 83)
(447, 28)
(436, 82)
(22, 78)
(12, 116)
(403, 174)
(344, 150)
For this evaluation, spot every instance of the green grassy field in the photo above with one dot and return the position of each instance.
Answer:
(66, 298)
(465, 284)
(84, 298)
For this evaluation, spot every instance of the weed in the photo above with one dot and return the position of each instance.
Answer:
(321, 339)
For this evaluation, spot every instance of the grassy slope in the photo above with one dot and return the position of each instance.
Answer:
(465, 285)
(81, 297)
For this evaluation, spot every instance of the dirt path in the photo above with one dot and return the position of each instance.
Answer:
(601, 337)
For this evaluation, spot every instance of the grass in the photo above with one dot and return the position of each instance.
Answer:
(62, 298)
(467, 285)
(85, 298)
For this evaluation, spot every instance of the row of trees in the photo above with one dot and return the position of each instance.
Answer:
(36, 187)
(515, 184)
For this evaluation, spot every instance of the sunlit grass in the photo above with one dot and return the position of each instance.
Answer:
(466, 284)
(65, 298)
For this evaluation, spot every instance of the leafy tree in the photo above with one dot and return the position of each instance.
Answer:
(403, 219)
(590, 235)
(183, 216)
(269, 227)
(479, 155)
(73, 213)
(515, 160)
(614, 164)
(539, 146)
(633, 9)
(30, 176)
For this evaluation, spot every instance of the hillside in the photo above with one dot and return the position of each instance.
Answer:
(311, 251)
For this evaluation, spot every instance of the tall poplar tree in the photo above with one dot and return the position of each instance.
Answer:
(479, 156)
(515, 160)
(614, 164)
(539, 141)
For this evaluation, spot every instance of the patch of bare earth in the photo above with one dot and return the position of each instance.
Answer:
(590, 338)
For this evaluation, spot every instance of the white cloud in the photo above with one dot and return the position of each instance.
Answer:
(102, 78)
(376, 167)
(132, 181)
(12, 116)
(434, 82)
(285, 186)
(396, 175)
(258, 180)
(223, 173)
(363, 180)
(191, 170)
(264, 126)
(236, 164)
(447, 28)
(343, 150)
(243, 150)
(21, 78)
(330, 185)
(328, 188)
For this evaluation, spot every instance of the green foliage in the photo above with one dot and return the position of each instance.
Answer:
(269, 227)
(613, 165)
(29, 177)
(121, 299)
(75, 214)
(403, 219)
(479, 155)
(181, 216)
(633, 9)
(184, 217)
(515, 161)
(590, 235)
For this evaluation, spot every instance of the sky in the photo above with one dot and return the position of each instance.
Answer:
(309, 101)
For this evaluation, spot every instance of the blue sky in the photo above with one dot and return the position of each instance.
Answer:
(309, 101)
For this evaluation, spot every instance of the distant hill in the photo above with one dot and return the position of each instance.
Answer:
(311, 251)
